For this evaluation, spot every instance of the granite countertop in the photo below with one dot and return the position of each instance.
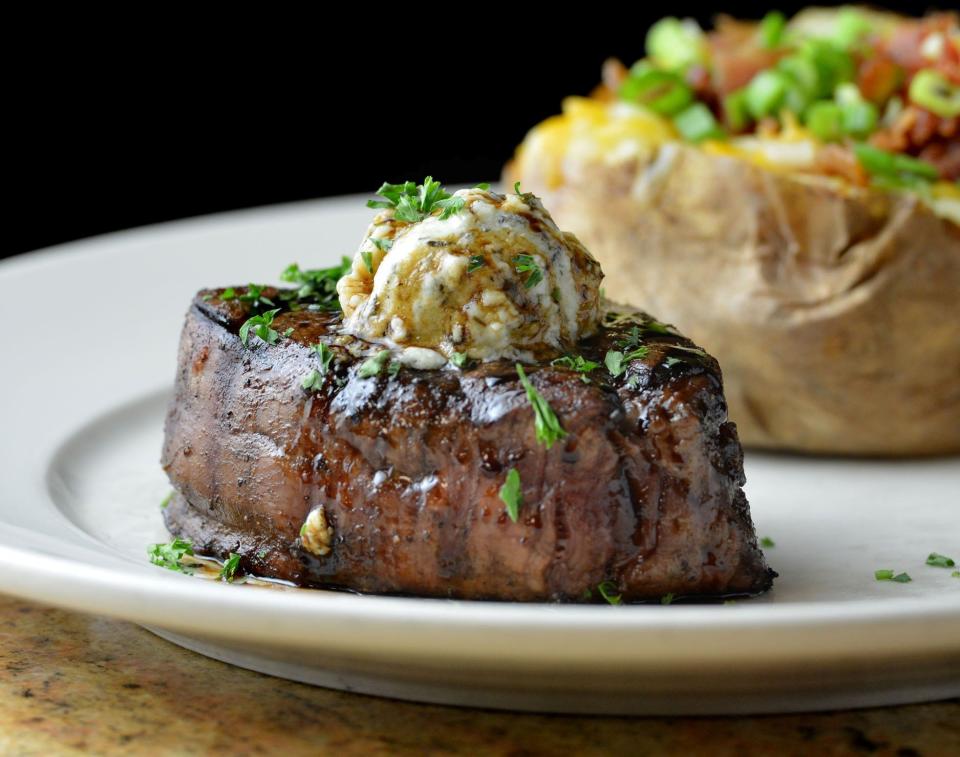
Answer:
(72, 684)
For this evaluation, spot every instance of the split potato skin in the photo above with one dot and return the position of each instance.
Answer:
(834, 311)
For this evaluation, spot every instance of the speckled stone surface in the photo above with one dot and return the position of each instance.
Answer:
(72, 684)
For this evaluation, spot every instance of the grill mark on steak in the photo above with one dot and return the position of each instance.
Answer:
(645, 490)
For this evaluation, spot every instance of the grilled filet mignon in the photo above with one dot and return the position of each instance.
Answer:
(399, 474)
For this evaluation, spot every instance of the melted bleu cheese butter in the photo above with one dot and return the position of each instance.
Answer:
(459, 285)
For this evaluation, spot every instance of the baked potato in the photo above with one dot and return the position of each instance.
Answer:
(821, 267)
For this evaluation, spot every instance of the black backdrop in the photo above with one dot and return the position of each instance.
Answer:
(120, 121)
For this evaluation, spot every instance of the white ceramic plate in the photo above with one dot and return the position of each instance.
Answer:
(90, 334)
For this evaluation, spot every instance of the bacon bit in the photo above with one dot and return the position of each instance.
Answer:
(905, 45)
(914, 129)
(879, 78)
(834, 160)
(735, 55)
(945, 156)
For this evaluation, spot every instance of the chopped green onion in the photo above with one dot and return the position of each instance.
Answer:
(801, 72)
(851, 26)
(887, 575)
(859, 119)
(511, 495)
(771, 29)
(674, 44)
(459, 359)
(697, 123)
(940, 561)
(825, 121)
(367, 259)
(932, 90)
(893, 165)
(664, 92)
(736, 115)
(766, 93)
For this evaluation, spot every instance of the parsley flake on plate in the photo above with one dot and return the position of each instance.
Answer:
(608, 590)
(767, 543)
(546, 423)
(229, 569)
(169, 555)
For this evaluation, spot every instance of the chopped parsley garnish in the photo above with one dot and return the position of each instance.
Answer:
(288, 332)
(528, 264)
(511, 495)
(608, 590)
(955, 574)
(546, 423)
(165, 502)
(367, 259)
(459, 359)
(261, 325)
(383, 244)
(667, 599)
(617, 361)
(326, 355)
(228, 294)
(313, 381)
(657, 327)
(888, 575)
(693, 350)
(169, 555)
(229, 569)
(576, 363)
(254, 295)
(672, 361)
(555, 295)
(373, 365)
(767, 543)
(317, 285)
(207, 297)
(476, 261)
(393, 368)
(482, 185)
(413, 203)
(940, 561)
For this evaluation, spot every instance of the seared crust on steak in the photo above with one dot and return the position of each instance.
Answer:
(645, 490)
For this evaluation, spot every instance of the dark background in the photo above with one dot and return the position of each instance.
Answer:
(121, 121)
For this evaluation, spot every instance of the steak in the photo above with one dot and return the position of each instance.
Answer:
(399, 474)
